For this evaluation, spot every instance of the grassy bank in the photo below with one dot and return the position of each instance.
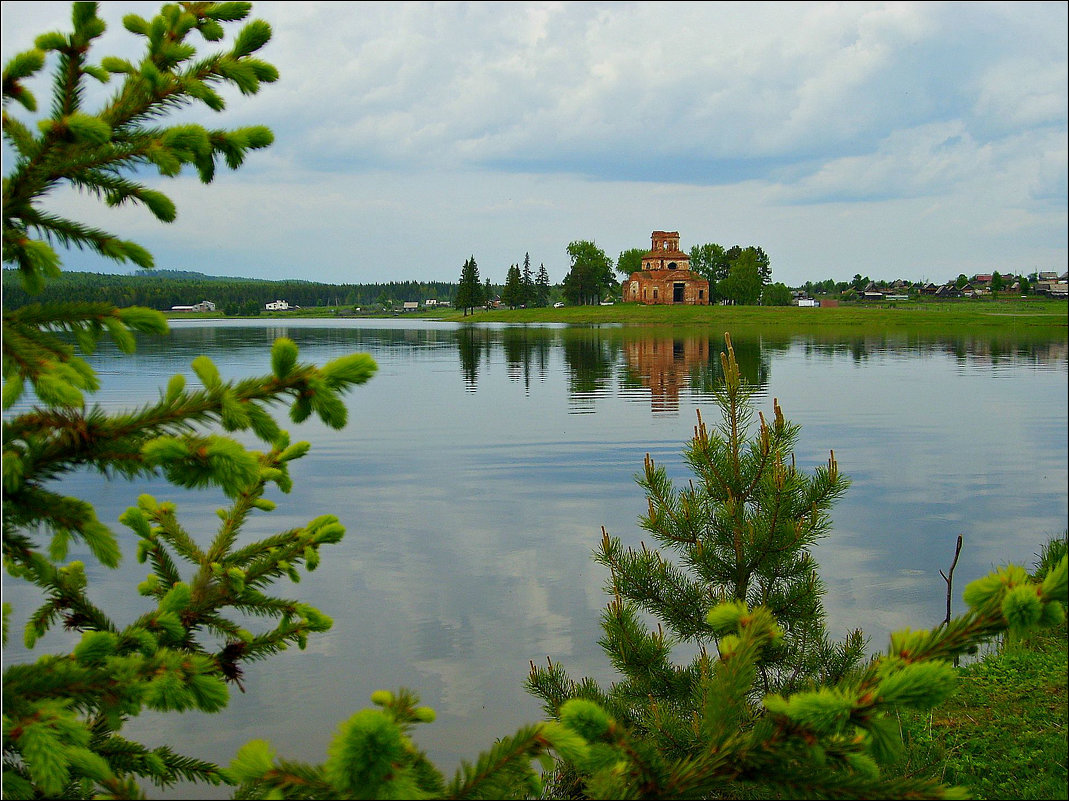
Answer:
(1018, 313)
(1038, 314)
(1003, 734)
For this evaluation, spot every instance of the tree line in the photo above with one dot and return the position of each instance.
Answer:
(522, 288)
(163, 289)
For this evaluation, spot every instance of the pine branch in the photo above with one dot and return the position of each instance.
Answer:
(161, 765)
(499, 771)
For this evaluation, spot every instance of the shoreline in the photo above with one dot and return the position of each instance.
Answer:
(1052, 315)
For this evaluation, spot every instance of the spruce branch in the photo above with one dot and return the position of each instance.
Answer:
(180, 651)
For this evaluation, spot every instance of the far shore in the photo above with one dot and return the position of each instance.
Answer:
(1017, 313)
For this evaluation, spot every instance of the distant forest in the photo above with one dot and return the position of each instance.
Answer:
(162, 289)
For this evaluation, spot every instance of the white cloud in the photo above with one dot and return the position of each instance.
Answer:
(1023, 92)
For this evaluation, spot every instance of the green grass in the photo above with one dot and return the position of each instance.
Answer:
(1016, 313)
(1003, 733)
(1040, 315)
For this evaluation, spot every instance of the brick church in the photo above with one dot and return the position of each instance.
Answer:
(666, 277)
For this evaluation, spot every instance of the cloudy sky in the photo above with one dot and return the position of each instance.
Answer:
(895, 140)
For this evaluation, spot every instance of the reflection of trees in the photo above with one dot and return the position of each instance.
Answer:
(193, 337)
(660, 360)
(994, 348)
(472, 342)
(525, 348)
(754, 357)
(589, 356)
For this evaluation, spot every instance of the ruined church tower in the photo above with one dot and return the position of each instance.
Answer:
(666, 277)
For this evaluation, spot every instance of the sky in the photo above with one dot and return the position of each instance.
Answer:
(891, 140)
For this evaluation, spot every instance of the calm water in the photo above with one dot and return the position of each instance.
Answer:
(480, 464)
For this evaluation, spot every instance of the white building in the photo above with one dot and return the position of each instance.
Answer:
(203, 306)
(278, 305)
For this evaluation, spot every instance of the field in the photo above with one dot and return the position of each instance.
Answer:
(1018, 313)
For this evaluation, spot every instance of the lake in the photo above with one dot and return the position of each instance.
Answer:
(480, 464)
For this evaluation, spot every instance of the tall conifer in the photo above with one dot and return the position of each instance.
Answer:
(542, 286)
(469, 291)
(512, 293)
(735, 582)
(527, 283)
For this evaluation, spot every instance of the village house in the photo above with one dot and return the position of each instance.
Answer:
(666, 277)
(278, 305)
(1052, 285)
(203, 306)
(872, 292)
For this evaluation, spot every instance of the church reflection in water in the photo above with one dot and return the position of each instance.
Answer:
(666, 365)
(659, 367)
(674, 367)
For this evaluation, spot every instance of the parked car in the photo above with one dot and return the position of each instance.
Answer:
(558, 305)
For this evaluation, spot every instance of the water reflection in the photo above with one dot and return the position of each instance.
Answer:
(527, 354)
(602, 359)
(658, 365)
(665, 365)
(992, 349)
(481, 462)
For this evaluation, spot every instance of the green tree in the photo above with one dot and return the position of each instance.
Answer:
(64, 713)
(776, 295)
(470, 291)
(961, 280)
(764, 263)
(716, 264)
(542, 287)
(742, 532)
(738, 537)
(590, 277)
(527, 283)
(710, 262)
(758, 256)
(512, 293)
(743, 285)
(997, 283)
(629, 261)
